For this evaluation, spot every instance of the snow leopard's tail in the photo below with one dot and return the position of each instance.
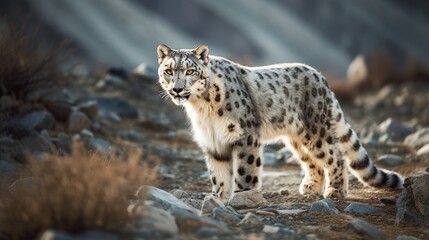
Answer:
(357, 157)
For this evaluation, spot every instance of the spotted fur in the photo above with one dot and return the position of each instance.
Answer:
(234, 109)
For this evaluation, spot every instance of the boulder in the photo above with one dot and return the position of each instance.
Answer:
(251, 221)
(395, 130)
(115, 105)
(162, 199)
(155, 223)
(210, 203)
(37, 120)
(413, 202)
(418, 139)
(77, 122)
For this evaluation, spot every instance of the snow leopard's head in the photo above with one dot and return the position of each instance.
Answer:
(183, 72)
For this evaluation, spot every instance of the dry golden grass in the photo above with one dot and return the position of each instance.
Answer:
(72, 193)
(24, 67)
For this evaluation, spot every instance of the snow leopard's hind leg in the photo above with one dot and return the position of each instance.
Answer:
(313, 181)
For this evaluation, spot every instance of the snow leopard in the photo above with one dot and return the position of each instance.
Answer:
(234, 110)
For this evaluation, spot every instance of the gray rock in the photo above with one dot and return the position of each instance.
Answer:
(227, 215)
(251, 221)
(418, 139)
(116, 105)
(90, 108)
(390, 160)
(323, 206)
(270, 159)
(412, 206)
(360, 208)
(60, 108)
(6, 167)
(188, 221)
(155, 223)
(64, 142)
(162, 199)
(248, 199)
(211, 202)
(38, 142)
(423, 151)
(6, 141)
(100, 145)
(405, 237)
(133, 135)
(77, 121)
(88, 235)
(364, 227)
(205, 232)
(396, 131)
(38, 120)
(179, 193)
(86, 133)
(194, 203)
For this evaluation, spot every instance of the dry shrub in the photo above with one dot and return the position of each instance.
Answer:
(24, 66)
(72, 193)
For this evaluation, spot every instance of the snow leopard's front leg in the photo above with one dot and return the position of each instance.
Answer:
(220, 170)
(247, 165)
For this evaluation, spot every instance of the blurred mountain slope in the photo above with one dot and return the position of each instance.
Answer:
(326, 34)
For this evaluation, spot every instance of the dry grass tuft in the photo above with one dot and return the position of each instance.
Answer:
(24, 66)
(72, 193)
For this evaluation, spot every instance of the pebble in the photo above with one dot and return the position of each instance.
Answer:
(251, 221)
(364, 227)
(248, 199)
(390, 160)
(423, 151)
(360, 208)
(323, 206)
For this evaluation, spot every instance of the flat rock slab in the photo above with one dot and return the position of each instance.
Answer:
(248, 199)
(162, 199)
(360, 208)
(364, 227)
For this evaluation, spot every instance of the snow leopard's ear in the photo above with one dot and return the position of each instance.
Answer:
(163, 50)
(202, 53)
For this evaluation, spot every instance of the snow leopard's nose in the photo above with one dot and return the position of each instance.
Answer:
(177, 90)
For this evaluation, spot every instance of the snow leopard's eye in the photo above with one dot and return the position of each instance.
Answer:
(190, 71)
(168, 72)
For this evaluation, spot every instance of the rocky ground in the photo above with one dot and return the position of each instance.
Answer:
(112, 109)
